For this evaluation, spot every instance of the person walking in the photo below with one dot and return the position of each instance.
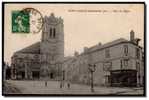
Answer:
(45, 83)
(68, 85)
(61, 85)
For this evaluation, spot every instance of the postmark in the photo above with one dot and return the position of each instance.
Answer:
(28, 20)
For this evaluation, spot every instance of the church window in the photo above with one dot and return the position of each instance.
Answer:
(54, 32)
(50, 32)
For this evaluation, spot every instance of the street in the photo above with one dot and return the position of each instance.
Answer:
(53, 87)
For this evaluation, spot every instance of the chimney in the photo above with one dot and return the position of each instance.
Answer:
(52, 14)
(99, 44)
(132, 35)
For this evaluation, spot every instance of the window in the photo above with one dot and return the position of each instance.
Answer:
(121, 64)
(107, 53)
(50, 32)
(137, 53)
(36, 57)
(125, 62)
(107, 66)
(54, 32)
(126, 50)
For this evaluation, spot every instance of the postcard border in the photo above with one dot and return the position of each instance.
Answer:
(71, 95)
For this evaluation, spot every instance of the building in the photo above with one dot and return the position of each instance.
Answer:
(118, 63)
(42, 60)
(6, 71)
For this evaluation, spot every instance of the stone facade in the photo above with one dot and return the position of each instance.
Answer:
(117, 63)
(42, 59)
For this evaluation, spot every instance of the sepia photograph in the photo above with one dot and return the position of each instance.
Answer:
(73, 49)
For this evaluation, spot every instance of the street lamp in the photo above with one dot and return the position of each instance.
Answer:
(92, 69)
(63, 77)
(45, 69)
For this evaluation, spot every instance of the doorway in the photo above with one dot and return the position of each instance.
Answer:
(22, 75)
(51, 75)
(35, 74)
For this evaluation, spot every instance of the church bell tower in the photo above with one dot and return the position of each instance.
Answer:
(52, 46)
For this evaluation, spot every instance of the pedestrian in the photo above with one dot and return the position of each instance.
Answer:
(68, 85)
(61, 85)
(45, 83)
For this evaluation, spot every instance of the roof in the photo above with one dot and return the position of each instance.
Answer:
(34, 49)
(93, 48)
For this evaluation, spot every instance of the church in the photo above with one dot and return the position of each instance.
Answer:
(42, 60)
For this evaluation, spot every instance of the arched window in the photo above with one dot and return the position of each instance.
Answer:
(50, 32)
(54, 32)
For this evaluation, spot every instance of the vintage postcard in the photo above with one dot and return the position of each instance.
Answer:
(74, 49)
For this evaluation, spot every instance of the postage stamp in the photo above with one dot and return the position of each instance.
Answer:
(20, 22)
(28, 20)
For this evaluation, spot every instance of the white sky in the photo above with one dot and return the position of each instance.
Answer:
(80, 28)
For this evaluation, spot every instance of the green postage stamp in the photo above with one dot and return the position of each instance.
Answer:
(27, 20)
(20, 22)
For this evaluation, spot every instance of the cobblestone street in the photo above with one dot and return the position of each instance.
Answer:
(53, 87)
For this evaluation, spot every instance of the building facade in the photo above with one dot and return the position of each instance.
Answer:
(118, 63)
(42, 59)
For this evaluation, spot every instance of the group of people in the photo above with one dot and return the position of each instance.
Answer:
(62, 84)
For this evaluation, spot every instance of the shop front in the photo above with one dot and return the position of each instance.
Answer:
(124, 78)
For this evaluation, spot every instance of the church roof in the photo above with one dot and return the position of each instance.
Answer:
(34, 49)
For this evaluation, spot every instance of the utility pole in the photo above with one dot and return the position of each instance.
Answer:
(92, 69)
